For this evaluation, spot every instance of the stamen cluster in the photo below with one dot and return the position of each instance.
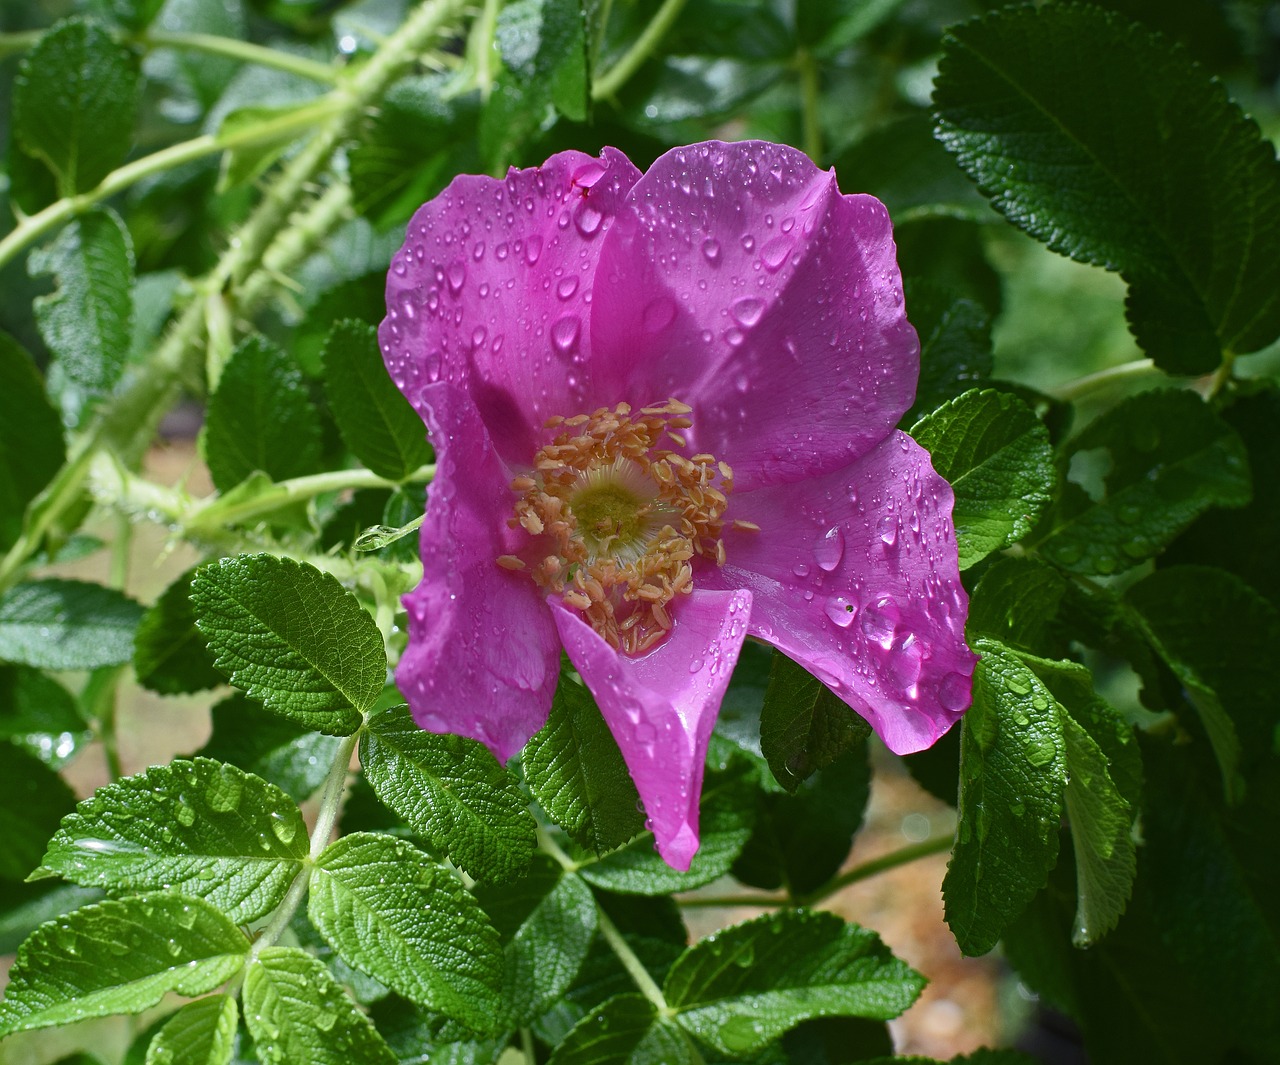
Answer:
(616, 519)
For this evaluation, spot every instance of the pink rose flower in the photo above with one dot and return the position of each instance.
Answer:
(663, 408)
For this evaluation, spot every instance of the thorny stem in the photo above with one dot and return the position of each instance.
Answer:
(903, 856)
(617, 75)
(1079, 387)
(810, 96)
(244, 50)
(127, 422)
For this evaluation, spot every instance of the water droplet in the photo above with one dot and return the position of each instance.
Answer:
(887, 528)
(880, 621)
(567, 287)
(800, 569)
(841, 611)
(284, 828)
(830, 549)
(564, 334)
(748, 311)
(1017, 684)
(1040, 752)
(711, 250)
(456, 276)
(532, 249)
(774, 254)
(587, 219)
(905, 663)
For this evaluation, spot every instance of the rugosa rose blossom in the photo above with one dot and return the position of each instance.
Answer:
(663, 407)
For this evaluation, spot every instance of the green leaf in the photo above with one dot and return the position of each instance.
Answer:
(293, 638)
(88, 321)
(201, 1033)
(296, 1012)
(1174, 187)
(996, 454)
(260, 418)
(804, 727)
(727, 817)
(60, 624)
(40, 715)
(31, 449)
(1016, 601)
(546, 921)
(744, 986)
(169, 654)
(293, 758)
(1012, 775)
(576, 772)
(1170, 458)
(802, 839)
(955, 345)
(626, 1030)
(452, 791)
(74, 103)
(119, 957)
(836, 1041)
(202, 828)
(1218, 636)
(390, 911)
(1102, 835)
(33, 799)
(420, 1037)
(375, 420)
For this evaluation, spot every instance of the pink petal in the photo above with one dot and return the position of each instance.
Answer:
(483, 656)
(854, 575)
(488, 292)
(662, 706)
(740, 281)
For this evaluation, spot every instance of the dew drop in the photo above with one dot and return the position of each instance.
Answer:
(565, 332)
(887, 528)
(587, 219)
(841, 611)
(830, 549)
(711, 250)
(774, 254)
(880, 621)
(567, 287)
(748, 311)
(532, 249)
(456, 276)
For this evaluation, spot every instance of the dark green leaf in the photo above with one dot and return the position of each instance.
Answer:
(452, 791)
(291, 637)
(59, 624)
(1065, 115)
(33, 799)
(576, 772)
(392, 912)
(1012, 775)
(804, 727)
(727, 816)
(201, 1033)
(39, 715)
(626, 1030)
(31, 447)
(547, 921)
(950, 254)
(801, 840)
(290, 756)
(836, 1041)
(955, 345)
(375, 420)
(205, 829)
(1218, 636)
(420, 1037)
(169, 654)
(1170, 457)
(744, 986)
(297, 1013)
(25, 906)
(1016, 601)
(88, 321)
(995, 452)
(260, 418)
(74, 102)
(119, 957)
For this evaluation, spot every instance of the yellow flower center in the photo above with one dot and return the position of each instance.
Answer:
(615, 519)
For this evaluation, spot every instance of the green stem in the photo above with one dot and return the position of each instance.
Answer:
(335, 787)
(1076, 389)
(526, 1046)
(810, 100)
(549, 847)
(243, 50)
(635, 969)
(16, 43)
(480, 46)
(99, 699)
(617, 75)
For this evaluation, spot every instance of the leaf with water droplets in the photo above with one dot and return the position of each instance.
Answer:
(375, 420)
(453, 791)
(119, 957)
(996, 454)
(804, 727)
(1013, 772)
(626, 1030)
(392, 912)
(296, 1012)
(1015, 601)
(576, 772)
(744, 986)
(293, 638)
(59, 624)
(1152, 464)
(208, 830)
(201, 1033)
(547, 921)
